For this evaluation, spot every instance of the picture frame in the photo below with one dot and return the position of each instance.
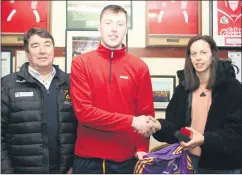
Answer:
(163, 87)
(14, 16)
(85, 15)
(79, 42)
(6, 62)
(163, 18)
(225, 22)
(235, 57)
(20, 59)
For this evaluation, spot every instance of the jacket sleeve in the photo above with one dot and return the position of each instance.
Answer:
(166, 133)
(5, 161)
(227, 140)
(145, 106)
(87, 114)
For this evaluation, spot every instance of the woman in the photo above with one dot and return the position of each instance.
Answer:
(208, 100)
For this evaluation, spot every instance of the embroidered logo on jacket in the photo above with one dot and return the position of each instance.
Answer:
(21, 81)
(124, 77)
(67, 99)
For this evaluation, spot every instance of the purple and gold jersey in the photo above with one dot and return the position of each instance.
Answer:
(170, 160)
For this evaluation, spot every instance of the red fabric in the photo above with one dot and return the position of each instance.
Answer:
(229, 21)
(24, 18)
(173, 21)
(186, 132)
(105, 109)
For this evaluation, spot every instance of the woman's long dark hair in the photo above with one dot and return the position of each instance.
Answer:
(191, 79)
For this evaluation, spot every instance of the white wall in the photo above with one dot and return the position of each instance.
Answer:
(136, 38)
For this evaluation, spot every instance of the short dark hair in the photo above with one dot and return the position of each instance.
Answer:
(115, 9)
(43, 33)
(191, 80)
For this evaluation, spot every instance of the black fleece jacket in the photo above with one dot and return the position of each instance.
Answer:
(222, 147)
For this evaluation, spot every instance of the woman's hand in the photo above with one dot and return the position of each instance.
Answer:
(197, 139)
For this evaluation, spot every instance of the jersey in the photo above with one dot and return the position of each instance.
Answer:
(229, 17)
(20, 16)
(165, 16)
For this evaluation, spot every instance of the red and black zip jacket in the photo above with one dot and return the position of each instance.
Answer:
(108, 89)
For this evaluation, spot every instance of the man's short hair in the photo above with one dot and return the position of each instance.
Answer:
(115, 9)
(43, 33)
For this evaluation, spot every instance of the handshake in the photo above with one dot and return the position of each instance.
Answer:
(146, 125)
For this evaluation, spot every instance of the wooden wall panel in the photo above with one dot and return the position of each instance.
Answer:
(150, 52)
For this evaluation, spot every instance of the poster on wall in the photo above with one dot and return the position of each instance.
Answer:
(85, 15)
(6, 63)
(172, 22)
(17, 17)
(236, 61)
(226, 22)
(163, 87)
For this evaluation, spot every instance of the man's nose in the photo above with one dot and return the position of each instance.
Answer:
(41, 50)
(114, 27)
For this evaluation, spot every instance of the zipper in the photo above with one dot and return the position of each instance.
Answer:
(44, 119)
(58, 121)
(58, 127)
(110, 67)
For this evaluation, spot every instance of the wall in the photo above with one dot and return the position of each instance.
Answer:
(157, 66)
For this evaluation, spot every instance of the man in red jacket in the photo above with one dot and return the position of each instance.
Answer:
(112, 99)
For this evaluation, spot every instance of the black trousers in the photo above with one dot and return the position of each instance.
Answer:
(83, 165)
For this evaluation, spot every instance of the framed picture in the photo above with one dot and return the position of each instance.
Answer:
(20, 59)
(236, 61)
(19, 16)
(226, 23)
(6, 62)
(79, 42)
(85, 15)
(172, 23)
(163, 87)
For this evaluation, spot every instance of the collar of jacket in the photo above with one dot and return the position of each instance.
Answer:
(24, 73)
(108, 53)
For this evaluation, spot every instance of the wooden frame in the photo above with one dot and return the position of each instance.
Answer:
(14, 25)
(85, 15)
(163, 88)
(163, 32)
(226, 30)
(6, 62)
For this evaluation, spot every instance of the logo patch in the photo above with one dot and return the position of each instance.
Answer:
(24, 94)
(21, 81)
(124, 77)
(67, 99)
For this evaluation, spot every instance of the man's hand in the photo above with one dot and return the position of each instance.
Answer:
(157, 124)
(144, 125)
(197, 139)
(140, 155)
